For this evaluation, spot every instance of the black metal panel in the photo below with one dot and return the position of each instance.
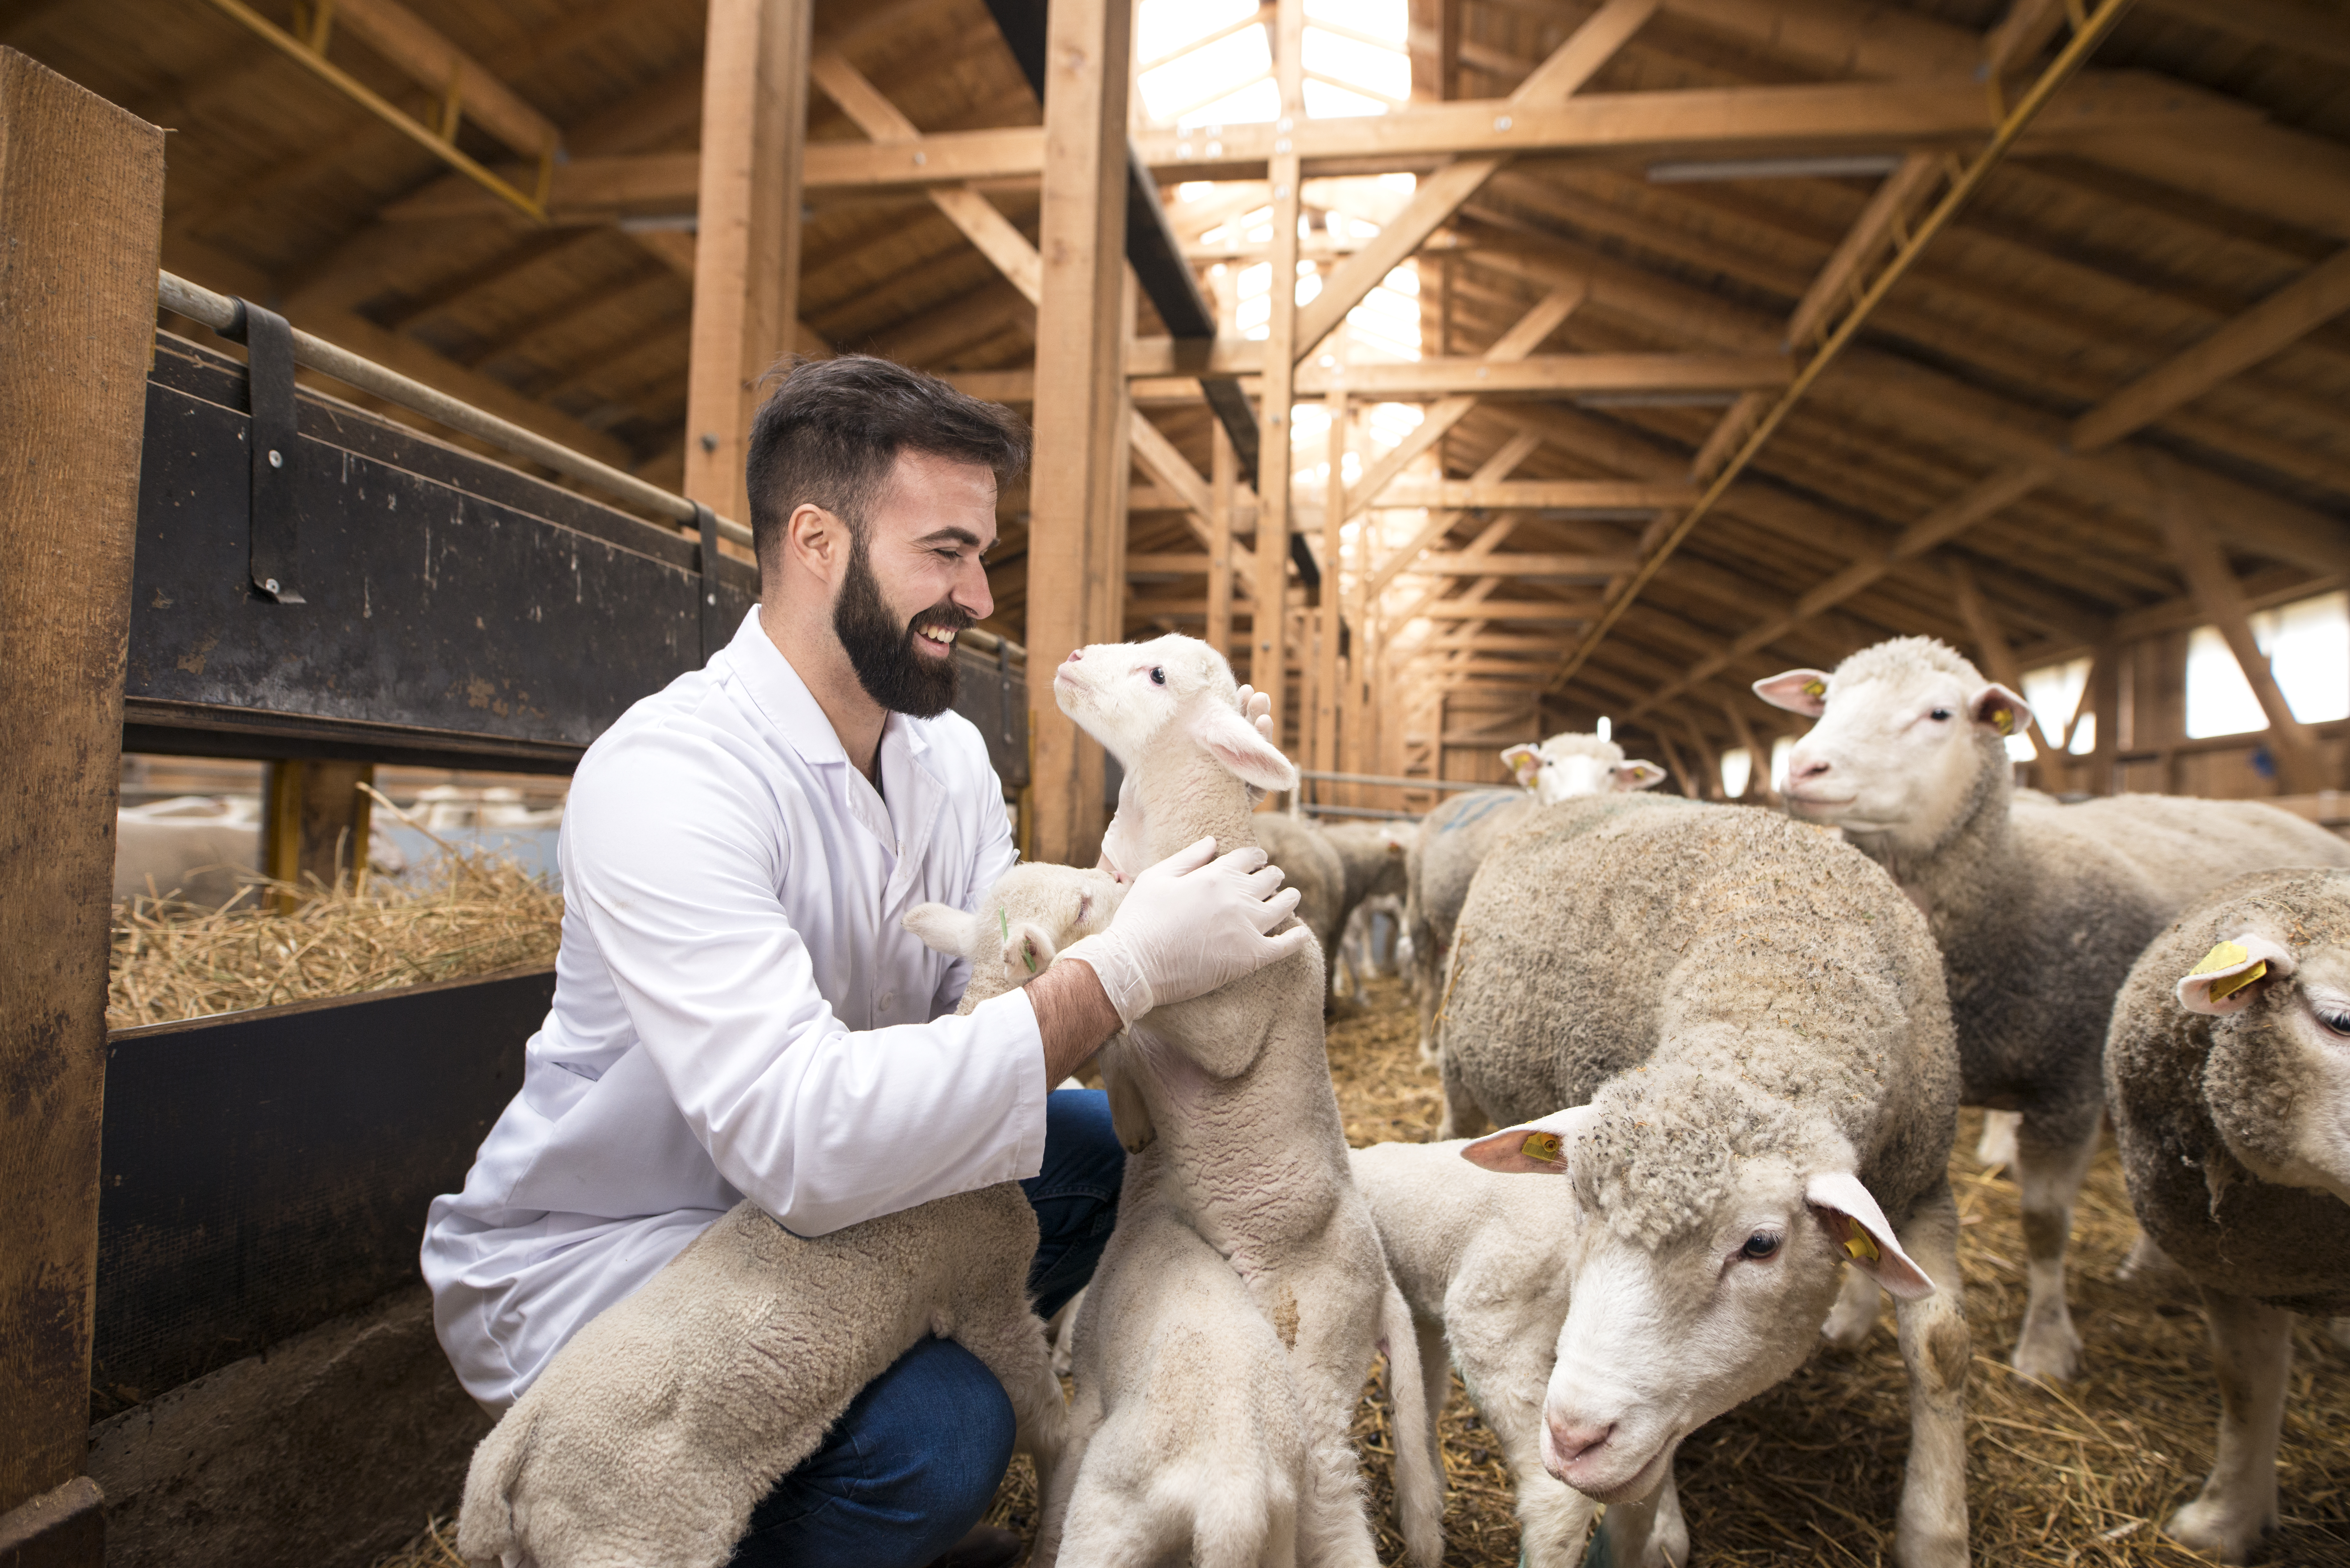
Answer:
(265, 1171)
(992, 693)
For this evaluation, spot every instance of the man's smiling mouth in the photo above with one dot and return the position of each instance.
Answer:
(938, 635)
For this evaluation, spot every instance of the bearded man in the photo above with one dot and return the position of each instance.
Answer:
(738, 1012)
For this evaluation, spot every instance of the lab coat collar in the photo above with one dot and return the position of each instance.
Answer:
(792, 709)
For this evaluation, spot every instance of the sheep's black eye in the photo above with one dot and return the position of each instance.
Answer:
(1942, 713)
(1158, 676)
(1758, 1246)
(2339, 1023)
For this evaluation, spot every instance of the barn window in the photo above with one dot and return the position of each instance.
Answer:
(2308, 647)
(1737, 772)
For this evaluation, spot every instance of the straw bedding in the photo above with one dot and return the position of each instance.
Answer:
(1811, 1471)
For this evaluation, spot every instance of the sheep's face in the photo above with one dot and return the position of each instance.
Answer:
(1570, 764)
(1897, 753)
(2278, 1078)
(1662, 1336)
(1139, 698)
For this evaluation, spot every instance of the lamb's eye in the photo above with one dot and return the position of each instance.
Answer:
(1158, 676)
(2336, 1022)
(1940, 713)
(1758, 1246)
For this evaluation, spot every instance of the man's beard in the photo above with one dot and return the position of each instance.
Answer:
(882, 651)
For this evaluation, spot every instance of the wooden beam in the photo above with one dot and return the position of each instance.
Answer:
(1836, 283)
(81, 203)
(1494, 469)
(2021, 35)
(421, 52)
(2302, 31)
(2282, 320)
(1440, 195)
(1268, 658)
(1568, 610)
(1549, 375)
(1076, 526)
(2195, 550)
(1539, 495)
(1998, 659)
(747, 244)
(1519, 565)
(1153, 451)
(1325, 751)
(1223, 478)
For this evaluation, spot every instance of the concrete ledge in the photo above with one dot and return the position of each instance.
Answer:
(328, 1450)
(64, 1527)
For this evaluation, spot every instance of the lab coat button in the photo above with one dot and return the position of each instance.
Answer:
(888, 1000)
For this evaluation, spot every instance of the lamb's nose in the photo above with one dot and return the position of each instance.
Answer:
(1076, 654)
(1572, 1439)
(1804, 768)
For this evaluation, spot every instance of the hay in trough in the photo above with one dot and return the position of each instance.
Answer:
(463, 914)
(1810, 1472)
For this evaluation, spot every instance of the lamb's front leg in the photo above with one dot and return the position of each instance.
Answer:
(1647, 1533)
(1553, 1516)
(2251, 1350)
(2052, 1157)
(1935, 1349)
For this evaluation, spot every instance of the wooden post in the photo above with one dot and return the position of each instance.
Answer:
(746, 257)
(315, 824)
(1075, 550)
(1999, 663)
(1268, 625)
(1224, 475)
(2105, 709)
(81, 205)
(1325, 670)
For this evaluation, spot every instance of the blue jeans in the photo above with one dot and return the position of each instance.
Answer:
(915, 1459)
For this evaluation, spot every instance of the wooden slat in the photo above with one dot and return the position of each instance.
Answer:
(1549, 374)
(1519, 565)
(1223, 480)
(81, 203)
(410, 43)
(747, 245)
(1539, 495)
(1268, 632)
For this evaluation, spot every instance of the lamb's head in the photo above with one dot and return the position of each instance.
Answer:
(2277, 990)
(1570, 764)
(1141, 698)
(1020, 927)
(1706, 1259)
(1910, 742)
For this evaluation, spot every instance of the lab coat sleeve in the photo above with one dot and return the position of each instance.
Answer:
(998, 854)
(672, 859)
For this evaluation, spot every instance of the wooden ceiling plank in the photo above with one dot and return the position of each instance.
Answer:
(1549, 374)
(426, 57)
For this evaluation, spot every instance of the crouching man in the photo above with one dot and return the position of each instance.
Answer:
(738, 1012)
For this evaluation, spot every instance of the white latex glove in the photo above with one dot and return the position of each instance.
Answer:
(1126, 843)
(1192, 924)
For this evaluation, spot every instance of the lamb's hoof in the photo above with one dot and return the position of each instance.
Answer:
(2050, 1351)
(2214, 1526)
(1923, 1549)
(1847, 1329)
(1997, 1144)
(2146, 1265)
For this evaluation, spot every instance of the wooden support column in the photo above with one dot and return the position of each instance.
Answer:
(1223, 478)
(1707, 760)
(81, 205)
(2195, 552)
(746, 262)
(1326, 695)
(1267, 655)
(1076, 548)
(2105, 710)
(1999, 663)
(315, 822)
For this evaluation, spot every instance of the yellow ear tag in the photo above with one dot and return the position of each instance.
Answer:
(1540, 1146)
(1815, 688)
(2004, 719)
(1860, 1246)
(2222, 957)
(2223, 989)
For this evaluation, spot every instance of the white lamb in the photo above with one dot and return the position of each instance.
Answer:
(1249, 1152)
(2039, 909)
(1571, 763)
(653, 1435)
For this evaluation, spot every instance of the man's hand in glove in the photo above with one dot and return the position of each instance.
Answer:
(1193, 922)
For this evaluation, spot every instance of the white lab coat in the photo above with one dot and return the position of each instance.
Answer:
(738, 1010)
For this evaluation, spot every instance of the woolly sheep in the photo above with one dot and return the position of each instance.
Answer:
(2227, 1070)
(2040, 909)
(1250, 1153)
(1372, 853)
(1750, 1023)
(1455, 838)
(1184, 1440)
(1312, 864)
(1374, 943)
(650, 1437)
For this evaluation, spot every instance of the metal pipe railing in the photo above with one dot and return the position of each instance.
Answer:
(1382, 779)
(219, 312)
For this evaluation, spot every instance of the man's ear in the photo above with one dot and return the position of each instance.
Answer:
(2222, 983)
(942, 928)
(1639, 776)
(1798, 691)
(1852, 1219)
(819, 540)
(2000, 709)
(1235, 741)
(1525, 762)
(1542, 1147)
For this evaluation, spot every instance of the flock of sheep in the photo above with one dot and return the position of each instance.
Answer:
(1759, 1028)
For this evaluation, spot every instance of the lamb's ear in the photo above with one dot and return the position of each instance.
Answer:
(1853, 1219)
(1798, 691)
(1639, 776)
(1536, 1148)
(2222, 983)
(1027, 950)
(1235, 741)
(2000, 709)
(1525, 762)
(942, 928)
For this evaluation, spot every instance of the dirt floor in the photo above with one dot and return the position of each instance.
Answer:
(1811, 1471)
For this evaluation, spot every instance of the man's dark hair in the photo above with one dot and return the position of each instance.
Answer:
(829, 435)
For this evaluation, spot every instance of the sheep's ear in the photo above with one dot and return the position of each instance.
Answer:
(942, 928)
(1639, 776)
(1523, 761)
(1027, 950)
(1853, 1220)
(2222, 983)
(2000, 709)
(1537, 1148)
(1235, 742)
(1798, 691)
